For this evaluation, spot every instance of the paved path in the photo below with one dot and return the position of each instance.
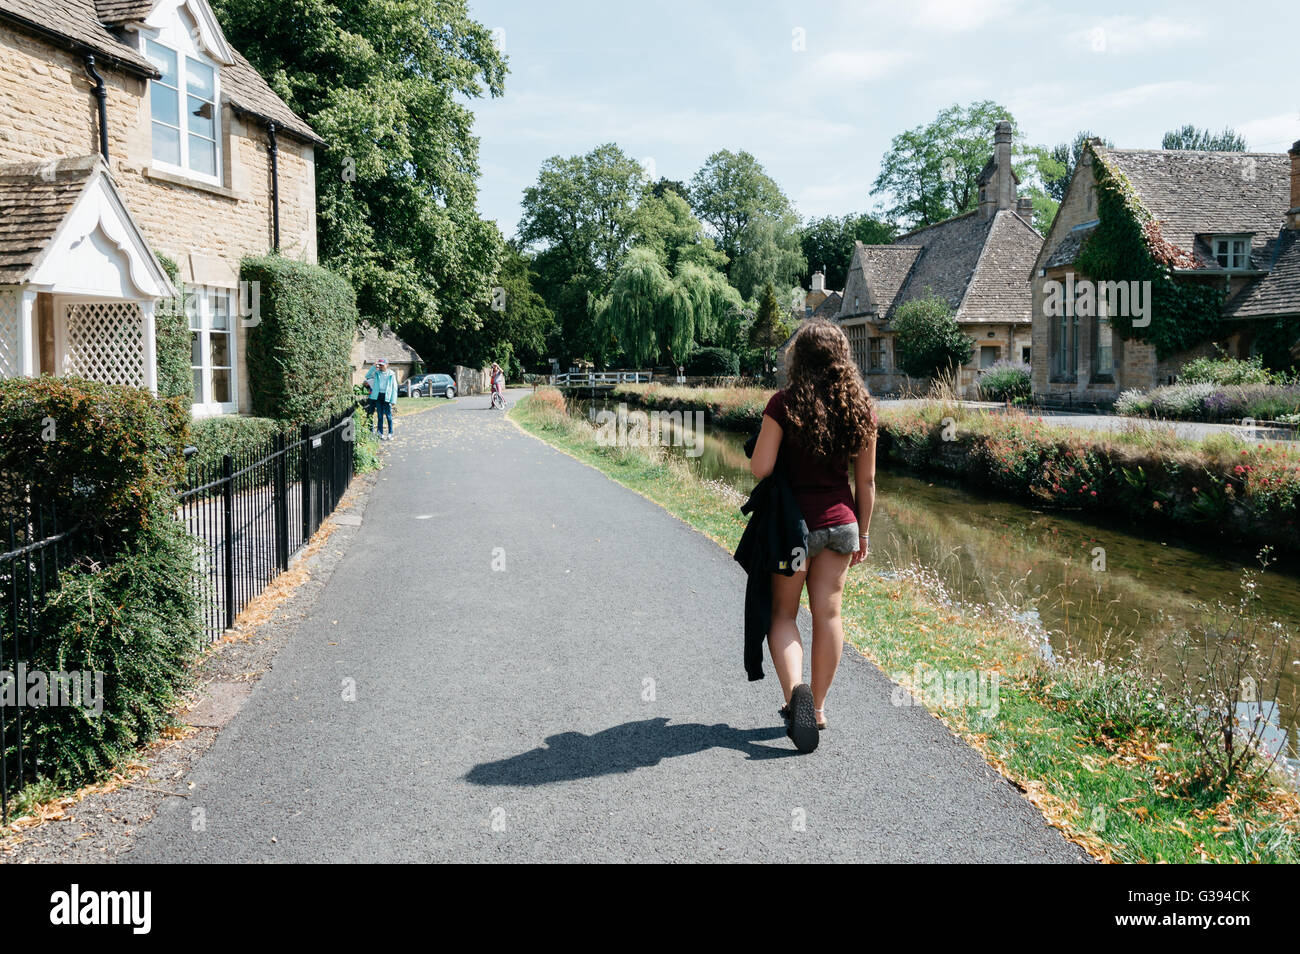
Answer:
(507, 715)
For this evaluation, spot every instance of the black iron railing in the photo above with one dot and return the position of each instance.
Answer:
(250, 512)
(35, 549)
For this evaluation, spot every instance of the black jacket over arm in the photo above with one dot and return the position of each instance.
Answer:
(775, 536)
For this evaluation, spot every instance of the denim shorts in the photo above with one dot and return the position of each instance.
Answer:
(841, 539)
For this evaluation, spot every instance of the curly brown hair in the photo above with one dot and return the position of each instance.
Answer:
(826, 402)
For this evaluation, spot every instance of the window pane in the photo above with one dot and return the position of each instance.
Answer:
(166, 144)
(164, 104)
(162, 58)
(198, 386)
(203, 155)
(196, 350)
(221, 387)
(220, 350)
(200, 118)
(199, 79)
(221, 311)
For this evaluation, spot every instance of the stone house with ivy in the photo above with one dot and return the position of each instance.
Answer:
(1215, 236)
(977, 262)
(140, 154)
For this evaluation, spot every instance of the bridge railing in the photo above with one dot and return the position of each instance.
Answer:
(599, 379)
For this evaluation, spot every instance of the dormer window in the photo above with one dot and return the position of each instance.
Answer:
(1232, 251)
(183, 109)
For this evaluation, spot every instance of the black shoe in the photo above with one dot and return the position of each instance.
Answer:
(802, 728)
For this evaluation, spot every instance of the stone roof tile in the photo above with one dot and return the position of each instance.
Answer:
(1278, 292)
(34, 199)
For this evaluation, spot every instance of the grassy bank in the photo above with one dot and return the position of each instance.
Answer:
(1103, 754)
(1221, 487)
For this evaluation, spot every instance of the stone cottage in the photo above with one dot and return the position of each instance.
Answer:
(978, 262)
(1219, 220)
(373, 343)
(132, 129)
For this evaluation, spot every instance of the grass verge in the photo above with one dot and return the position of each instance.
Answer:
(1097, 751)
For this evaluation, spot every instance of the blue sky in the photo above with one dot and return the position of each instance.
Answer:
(671, 82)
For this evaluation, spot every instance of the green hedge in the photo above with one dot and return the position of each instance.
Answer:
(135, 620)
(713, 362)
(299, 350)
(214, 437)
(104, 453)
(172, 334)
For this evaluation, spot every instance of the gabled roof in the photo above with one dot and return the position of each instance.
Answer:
(1000, 290)
(1067, 250)
(85, 24)
(75, 23)
(830, 306)
(980, 267)
(1278, 292)
(65, 227)
(1196, 193)
(375, 343)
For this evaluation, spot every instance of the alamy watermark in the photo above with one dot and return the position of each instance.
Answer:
(37, 688)
(624, 428)
(949, 689)
(1085, 298)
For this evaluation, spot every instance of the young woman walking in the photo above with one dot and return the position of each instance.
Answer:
(821, 422)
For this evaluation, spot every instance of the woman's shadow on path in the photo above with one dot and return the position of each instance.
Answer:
(623, 748)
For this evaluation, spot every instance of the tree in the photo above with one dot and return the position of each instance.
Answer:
(827, 244)
(927, 339)
(768, 331)
(516, 324)
(728, 193)
(664, 224)
(769, 254)
(583, 207)
(1056, 166)
(931, 171)
(630, 316)
(385, 86)
(581, 216)
(1202, 140)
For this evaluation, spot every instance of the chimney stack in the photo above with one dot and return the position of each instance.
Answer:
(1025, 208)
(998, 182)
(1293, 215)
(819, 282)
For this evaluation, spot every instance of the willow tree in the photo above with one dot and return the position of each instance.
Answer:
(632, 312)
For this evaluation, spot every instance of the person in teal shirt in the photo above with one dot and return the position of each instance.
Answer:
(383, 395)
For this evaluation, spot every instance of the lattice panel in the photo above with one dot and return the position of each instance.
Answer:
(11, 358)
(104, 341)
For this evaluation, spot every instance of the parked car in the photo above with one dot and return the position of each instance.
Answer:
(428, 385)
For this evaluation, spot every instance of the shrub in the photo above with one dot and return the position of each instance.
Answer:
(135, 620)
(1006, 381)
(172, 341)
(1133, 403)
(215, 437)
(928, 339)
(104, 453)
(299, 351)
(713, 363)
(1221, 369)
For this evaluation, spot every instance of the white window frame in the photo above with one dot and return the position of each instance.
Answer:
(178, 41)
(199, 312)
(1229, 242)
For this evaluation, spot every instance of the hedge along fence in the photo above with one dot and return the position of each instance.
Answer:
(126, 605)
(1221, 486)
(299, 345)
(103, 453)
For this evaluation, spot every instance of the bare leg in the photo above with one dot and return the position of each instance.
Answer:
(826, 574)
(783, 638)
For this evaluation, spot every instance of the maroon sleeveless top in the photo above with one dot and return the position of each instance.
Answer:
(820, 484)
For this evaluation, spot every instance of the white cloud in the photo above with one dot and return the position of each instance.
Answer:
(1122, 35)
(958, 16)
(855, 66)
(1271, 133)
